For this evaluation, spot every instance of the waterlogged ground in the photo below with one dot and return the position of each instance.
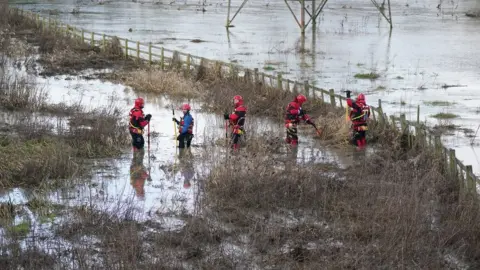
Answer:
(163, 187)
(430, 46)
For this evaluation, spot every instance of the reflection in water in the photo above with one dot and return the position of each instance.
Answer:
(187, 170)
(186, 167)
(138, 173)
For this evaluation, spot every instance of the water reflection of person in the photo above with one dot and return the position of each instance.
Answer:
(138, 173)
(186, 167)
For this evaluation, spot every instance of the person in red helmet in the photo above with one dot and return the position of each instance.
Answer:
(185, 127)
(295, 113)
(358, 115)
(137, 122)
(237, 121)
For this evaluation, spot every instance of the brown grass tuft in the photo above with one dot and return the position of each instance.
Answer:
(162, 82)
(335, 129)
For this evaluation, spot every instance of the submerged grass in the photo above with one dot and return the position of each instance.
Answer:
(439, 103)
(445, 115)
(371, 76)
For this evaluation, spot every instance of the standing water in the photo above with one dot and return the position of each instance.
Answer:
(429, 59)
(161, 182)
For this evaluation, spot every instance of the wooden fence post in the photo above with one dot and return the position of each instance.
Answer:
(255, 75)
(231, 70)
(188, 63)
(83, 36)
(150, 53)
(307, 88)
(471, 185)
(403, 123)
(332, 98)
(295, 88)
(247, 78)
(279, 81)
(104, 42)
(138, 51)
(393, 123)
(438, 144)
(218, 69)
(126, 48)
(381, 117)
(92, 39)
(418, 114)
(453, 164)
(162, 59)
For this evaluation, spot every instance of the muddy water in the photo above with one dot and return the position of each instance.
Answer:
(165, 184)
(428, 47)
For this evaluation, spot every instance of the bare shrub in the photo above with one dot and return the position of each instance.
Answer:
(113, 48)
(19, 93)
(99, 133)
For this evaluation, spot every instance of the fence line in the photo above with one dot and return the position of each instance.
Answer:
(415, 132)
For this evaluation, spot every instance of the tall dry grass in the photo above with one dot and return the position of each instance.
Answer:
(262, 211)
(385, 212)
(154, 80)
(36, 152)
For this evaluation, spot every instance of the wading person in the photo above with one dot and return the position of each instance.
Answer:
(137, 122)
(358, 115)
(185, 127)
(295, 113)
(236, 121)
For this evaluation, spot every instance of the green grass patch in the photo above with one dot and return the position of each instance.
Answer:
(370, 76)
(268, 68)
(439, 103)
(21, 229)
(399, 78)
(445, 116)
(380, 87)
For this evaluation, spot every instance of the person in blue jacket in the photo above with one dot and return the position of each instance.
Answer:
(185, 127)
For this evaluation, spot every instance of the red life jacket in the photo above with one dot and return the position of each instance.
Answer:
(238, 116)
(360, 114)
(137, 120)
(294, 113)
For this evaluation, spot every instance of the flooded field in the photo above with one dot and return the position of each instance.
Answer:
(162, 188)
(74, 195)
(430, 59)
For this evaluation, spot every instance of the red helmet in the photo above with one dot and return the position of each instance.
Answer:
(139, 102)
(237, 100)
(185, 107)
(300, 99)
(361, 99)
